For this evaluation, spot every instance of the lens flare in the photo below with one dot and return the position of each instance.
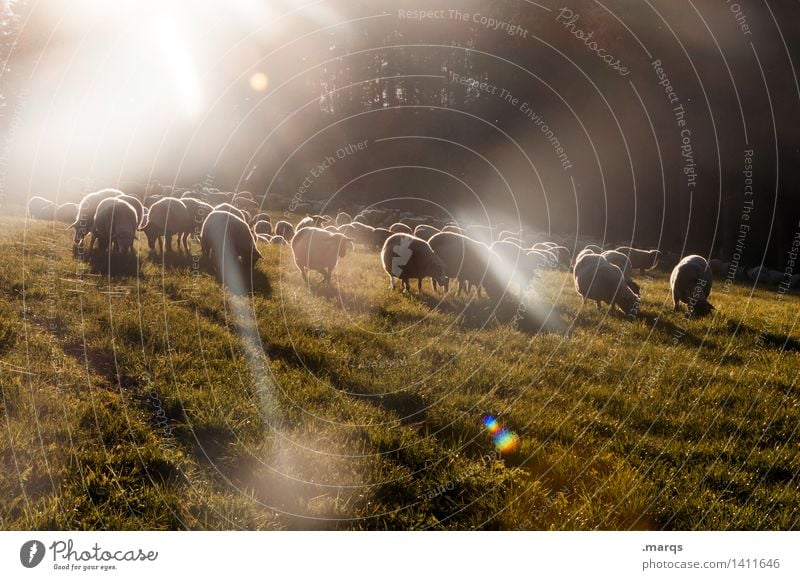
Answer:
(259, 82)
(505, 441)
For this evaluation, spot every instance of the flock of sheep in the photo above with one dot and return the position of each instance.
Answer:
(230, 226)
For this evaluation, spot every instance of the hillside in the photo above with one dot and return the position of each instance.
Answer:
(156, 399)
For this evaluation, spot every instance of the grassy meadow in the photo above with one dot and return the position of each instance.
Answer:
(154, 398)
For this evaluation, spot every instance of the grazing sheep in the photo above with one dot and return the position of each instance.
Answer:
(358, 232)
(641, 259)
(40, 208)
(425, 232)
(318, 250)
(86, 210)
(454, 229)
(467, 261)
(149, 200)
(260, 217)
(135, 204)
(691, 282)
(516, 264)
(310, 221)
(400, 228)
(67, 212)
(759, 275)
(483, 234)
(598, 279)
(198, 212)
(343, 218)
(231, 209)
(379, 237)
(404, 256)
(278, 241)
(622, 262)
(794, 281)
(263, 228)
(284, 229)
(718, 267)
(167, 217)
(114, 226)
(226, 237)
(245, 204)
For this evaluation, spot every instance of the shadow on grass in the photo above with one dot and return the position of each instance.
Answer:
(112, 265)
(526, 316)
(238, 279)
(763, 339)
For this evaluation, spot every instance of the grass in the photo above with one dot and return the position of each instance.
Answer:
(156, 399)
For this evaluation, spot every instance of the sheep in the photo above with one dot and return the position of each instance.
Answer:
(225, 237)
(198, 212)
(404, 256)
(114, 222)
(641, 259)
(41, 209)
(598, 279)
(149, 200)
(343, 218)
(262, 228)
(315, 249)
(400, 228)
(278, 241)
(260, 217)
(167, 217)
(379, 237)
(284, 229)
(359, 233)
(467, 261)
(794, 281)
(483, 234)
(67, 212)
(135, 204)
(425, 232)
(86, 210)
(759, 274)
(622, 262)
(718, 267)
(245, 204)
(691, 282)
(454, 229)
(310, 221)
(517, 264)
(230, 209)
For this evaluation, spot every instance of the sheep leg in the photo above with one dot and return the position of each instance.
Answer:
(599, 304)
(304, 272)
(168, 241)
(419, 285)
(391, 282)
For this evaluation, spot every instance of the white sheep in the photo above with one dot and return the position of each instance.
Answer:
(285, 230)
(691, 282)
(318, 250)
(114, 226)
(425, 232)
(405, 256)
(516, 264)
(469, 262)
(67, 212)
(400, 228)
(310, 221)
(598, 279)
(343, 218)
(641, 259)
(167, 217)
(40, 208)
(226, 237)
(622, 262)
(86, 210)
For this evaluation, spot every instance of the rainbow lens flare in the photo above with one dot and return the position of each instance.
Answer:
(505, 441)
